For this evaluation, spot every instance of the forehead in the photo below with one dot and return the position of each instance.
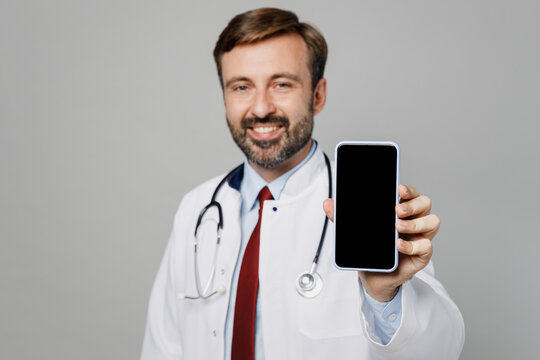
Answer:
(285, 53)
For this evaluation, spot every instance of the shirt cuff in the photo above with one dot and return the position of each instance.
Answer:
(386, 315)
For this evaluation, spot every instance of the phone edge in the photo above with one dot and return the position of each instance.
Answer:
(398, 162)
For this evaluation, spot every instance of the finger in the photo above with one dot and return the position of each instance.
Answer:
(420, 247)
(407, 192)
(328, 207)
(424, 224)
(419, 205)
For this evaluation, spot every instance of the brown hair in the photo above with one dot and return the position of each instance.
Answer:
(264, 23)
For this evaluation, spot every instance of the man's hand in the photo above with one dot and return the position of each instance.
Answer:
(416, 227)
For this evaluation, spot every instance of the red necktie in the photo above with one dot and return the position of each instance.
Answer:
(243, 343)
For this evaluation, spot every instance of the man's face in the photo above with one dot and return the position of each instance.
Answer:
(268, 98)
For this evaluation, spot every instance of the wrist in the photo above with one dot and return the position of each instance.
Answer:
(380, 293)
(384, 296)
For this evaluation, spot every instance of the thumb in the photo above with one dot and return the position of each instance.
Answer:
(328, 207)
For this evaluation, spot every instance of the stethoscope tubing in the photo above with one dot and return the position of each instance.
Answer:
(323, 235)
(303, 289)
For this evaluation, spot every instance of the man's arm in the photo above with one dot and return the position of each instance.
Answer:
(431, 324)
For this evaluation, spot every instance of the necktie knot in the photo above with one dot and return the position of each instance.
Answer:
(264, 195)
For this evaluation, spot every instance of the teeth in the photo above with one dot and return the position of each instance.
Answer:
(263, 130)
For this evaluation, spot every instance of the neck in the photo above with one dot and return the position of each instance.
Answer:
(271, 174)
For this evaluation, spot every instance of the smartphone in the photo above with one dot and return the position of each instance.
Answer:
(367, 179)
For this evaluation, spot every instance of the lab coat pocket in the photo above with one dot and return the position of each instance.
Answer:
(321, 318)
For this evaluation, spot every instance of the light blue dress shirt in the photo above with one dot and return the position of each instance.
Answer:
(387, 315)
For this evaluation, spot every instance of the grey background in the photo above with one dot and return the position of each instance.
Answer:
(111, 110)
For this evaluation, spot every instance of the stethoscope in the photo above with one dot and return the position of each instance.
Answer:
(308, 284)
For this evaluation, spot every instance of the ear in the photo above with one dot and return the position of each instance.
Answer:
(319, 96)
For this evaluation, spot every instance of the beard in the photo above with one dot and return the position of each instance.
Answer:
(270, 153)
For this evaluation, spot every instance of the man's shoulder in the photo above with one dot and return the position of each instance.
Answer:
(202, 193)
(197, 197)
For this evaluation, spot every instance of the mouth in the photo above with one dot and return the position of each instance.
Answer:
(265, 131)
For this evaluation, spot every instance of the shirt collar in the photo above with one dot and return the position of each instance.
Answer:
(253, 183)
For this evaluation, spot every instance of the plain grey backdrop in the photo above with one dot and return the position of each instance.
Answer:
(110, 111)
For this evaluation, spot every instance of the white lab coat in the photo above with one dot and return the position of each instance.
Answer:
(336, 324)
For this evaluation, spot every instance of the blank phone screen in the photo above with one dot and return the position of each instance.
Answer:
(366, 193)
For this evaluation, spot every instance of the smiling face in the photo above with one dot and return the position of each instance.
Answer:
(269, 100)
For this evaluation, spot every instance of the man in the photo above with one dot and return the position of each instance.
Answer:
(271, 71)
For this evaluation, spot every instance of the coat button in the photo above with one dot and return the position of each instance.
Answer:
(214, 332)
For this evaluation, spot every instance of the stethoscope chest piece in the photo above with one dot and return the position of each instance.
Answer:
(309, 284)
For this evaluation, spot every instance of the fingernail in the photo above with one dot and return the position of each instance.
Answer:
(404, 209)
(402, 246)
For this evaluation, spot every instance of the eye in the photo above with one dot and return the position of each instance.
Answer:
(283, 85)
(240, 88)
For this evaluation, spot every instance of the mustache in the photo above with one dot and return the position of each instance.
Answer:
(252, 121)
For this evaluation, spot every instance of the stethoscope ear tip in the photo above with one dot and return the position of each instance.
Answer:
(180, 296)
(221, 289)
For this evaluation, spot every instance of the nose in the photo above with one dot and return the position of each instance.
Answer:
(262, 104)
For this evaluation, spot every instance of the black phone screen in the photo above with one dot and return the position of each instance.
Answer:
(366, 195)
